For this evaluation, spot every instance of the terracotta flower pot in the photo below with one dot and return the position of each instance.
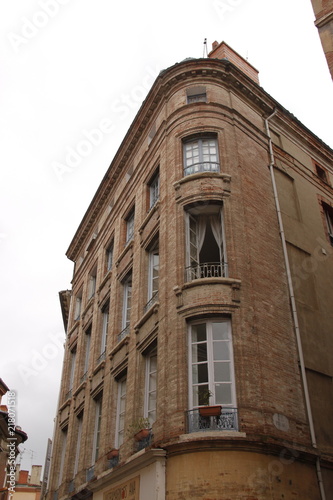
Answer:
(112, 454)
(210, 411)
(142, 434)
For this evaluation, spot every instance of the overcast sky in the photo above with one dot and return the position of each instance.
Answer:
(68, 67)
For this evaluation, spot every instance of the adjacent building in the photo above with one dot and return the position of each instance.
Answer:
(323, 10)
(201, 307)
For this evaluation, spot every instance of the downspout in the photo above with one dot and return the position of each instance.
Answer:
(293, 307)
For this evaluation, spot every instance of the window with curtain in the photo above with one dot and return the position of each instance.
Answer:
(151, 386)
(205, 246)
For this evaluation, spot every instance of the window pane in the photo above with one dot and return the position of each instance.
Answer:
(199, 332)
(221, 350)
(220, 331)
(222, 372)
(202, 373)
(199, 352)
(223, 394)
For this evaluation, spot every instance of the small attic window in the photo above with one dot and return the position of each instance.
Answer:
(196, 94)
(321, 173)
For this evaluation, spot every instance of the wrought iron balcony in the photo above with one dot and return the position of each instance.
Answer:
(123, 333)
(90, 473)
(145, 442)
(204, 166)
(84, 377)
(68, 395)
(113, 462)
(227, 421)
(151, 302)
(101, 357)
(205, 270)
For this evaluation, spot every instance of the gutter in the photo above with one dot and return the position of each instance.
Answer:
(293, 307)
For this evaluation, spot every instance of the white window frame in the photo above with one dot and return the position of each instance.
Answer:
(150, 390)
(105, 327)
(87, 350)
(127, 302)
(210, 363)
(212, 164)
(92, 284)
(328, 212)
(120, 412)
(130, 227)
(97, 430)
(154, 190)
(78, 443)
(78, 307)
(109, 256)
(192, 246)
(72, 369)
(62, 454)
(153, 267)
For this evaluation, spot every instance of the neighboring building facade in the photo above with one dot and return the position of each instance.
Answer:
(11, 436)
(203, 274)
(28, 487)
(323, 10)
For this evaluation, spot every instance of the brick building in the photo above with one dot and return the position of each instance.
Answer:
(323, 10)
(203, 278)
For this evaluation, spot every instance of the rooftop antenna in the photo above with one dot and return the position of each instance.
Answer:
(205, 48)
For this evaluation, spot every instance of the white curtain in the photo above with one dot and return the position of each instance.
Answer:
(216, 225)
(201, 226)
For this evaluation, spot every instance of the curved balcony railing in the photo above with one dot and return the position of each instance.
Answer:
(227, 421)
(205, 270)
(123, 333)
(101, 357)
(203, 166)
(151, 302)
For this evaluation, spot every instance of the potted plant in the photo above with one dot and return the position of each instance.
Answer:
(112, 454)
(140, 428)
(207, 410)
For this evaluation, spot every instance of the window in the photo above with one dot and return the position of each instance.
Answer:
(127, 304)
(328, 212)
(211, 363)
(109, 257)
(120, 418)
(71, 372)
(154, 190)
(92, 284)
(321, 173)
(205, 248)
(78, 306)
(104, 336)
(153, 274)
(62, 454)
(87, 353)
(130, 227)
(97, 429)
(196, 94)
(79, 422)
(201, 155)
(151, 387)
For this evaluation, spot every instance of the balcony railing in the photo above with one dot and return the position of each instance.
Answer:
(68, 395)
(113, 462)
(227, 421)
(204, 166)
(205, 270)
(123, 333)
(151, 302)
(90, 473)
(101, 357)
(84, 377)
(145, 442)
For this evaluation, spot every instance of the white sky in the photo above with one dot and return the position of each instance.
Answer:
(64, 71)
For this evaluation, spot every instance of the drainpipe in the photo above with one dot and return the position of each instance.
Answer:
(293, 307)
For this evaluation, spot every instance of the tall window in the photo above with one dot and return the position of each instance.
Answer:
(97, 429)
(71, 372)
(205, 252)
(104, 333)
(328, 212)
(120, 418)
(151, 387)
(127, 305)
(153, 273)
(62, 454)
(201, 155)
(109, 257)
(130, 227)
(87, 352)
(92, 283)
(211, 363)
(154, 190)
(79, 422)
(78, 306)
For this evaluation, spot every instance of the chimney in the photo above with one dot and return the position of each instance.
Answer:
(36, 471)
(223, 51)
(23, 477)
